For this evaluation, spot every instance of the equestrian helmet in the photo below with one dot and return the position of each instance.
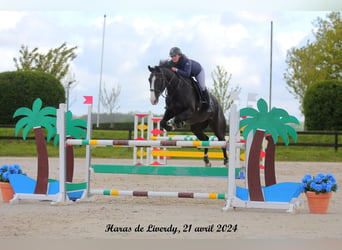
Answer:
(175, 51)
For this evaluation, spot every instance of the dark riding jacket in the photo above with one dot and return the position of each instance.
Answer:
(187, 67)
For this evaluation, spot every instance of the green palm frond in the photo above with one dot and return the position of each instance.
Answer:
(75, 128)
(262, 106)
(283, 134)
(245, 122)
(276, 112)
(275, 122)
(37, 117)
(292, 132)
(274, 133)
(22, 111)
(290, 119)
(21, 124)
(249, 112)
(48, 111)
(37, 105)
(26, 131)
(247, 130)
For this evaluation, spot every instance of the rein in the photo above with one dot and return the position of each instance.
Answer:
(167, 83)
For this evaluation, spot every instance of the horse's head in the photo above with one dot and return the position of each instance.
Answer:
(157, 83)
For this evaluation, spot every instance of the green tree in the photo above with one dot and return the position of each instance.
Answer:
(22, 88)
(318, 60)
(221, 87)
(55, 62)
(323, 106)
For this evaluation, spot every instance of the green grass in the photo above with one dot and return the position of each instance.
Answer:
(20, 148)
(305, 153)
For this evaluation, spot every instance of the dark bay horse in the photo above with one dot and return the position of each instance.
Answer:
(182, 104)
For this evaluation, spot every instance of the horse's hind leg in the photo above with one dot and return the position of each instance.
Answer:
(198, 130)
(219, 128)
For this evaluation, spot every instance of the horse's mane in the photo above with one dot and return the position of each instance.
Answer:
(166, 64)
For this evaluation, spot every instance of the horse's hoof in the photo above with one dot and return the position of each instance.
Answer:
(207, 164)
(167, 128)
(179, 124)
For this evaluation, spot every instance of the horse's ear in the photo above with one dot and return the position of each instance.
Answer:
(153, 69)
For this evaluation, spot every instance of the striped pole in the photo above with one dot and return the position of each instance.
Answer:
(190, 154)
(149, 143)
(115, 192)
(184, 138)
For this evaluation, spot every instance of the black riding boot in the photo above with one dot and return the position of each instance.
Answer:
(205, 100)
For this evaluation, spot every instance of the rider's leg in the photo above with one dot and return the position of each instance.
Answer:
(204, 92)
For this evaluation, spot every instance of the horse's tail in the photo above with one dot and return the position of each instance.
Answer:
(219, 119)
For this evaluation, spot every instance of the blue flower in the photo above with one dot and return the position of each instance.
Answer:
(320, 183)
(3, 169)
(6, 170)
(307, 178)
(331, 178)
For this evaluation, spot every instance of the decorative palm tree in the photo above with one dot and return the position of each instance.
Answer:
(37, 118)
(274, 123)
(74, 129)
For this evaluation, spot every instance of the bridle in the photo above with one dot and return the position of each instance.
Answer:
(165, 82)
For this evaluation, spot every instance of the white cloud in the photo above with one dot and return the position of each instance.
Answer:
(233, 65)
(287, 40)
(8, 64)
(255, 16)
(142, 25)
(9, 19)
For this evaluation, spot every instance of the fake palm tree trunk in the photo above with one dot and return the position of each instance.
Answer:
(253, 173)
(69, 162)
(43, 162)
(254, 184)
(270, 177)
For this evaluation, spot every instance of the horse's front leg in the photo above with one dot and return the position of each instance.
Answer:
(167, 116)
(182, 117)
(207, 163)
(225, 156)
(198, 130)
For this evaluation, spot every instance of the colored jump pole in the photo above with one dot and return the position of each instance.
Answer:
(115, 192)
(149, 143)
(185, 138)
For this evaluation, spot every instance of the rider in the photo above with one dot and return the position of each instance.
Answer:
(188, 68)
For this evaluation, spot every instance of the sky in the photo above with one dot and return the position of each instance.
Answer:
(140, 33)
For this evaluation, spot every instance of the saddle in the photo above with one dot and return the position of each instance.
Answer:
(199, 94)
(195, 85)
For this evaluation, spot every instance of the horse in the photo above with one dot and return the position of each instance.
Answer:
(183, 104)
